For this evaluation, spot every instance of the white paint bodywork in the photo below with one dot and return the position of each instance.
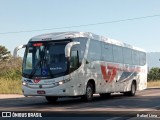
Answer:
(78, 79)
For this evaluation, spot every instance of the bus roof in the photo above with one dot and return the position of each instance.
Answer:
(71, 35)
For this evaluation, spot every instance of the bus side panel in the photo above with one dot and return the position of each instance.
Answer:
(142, 84)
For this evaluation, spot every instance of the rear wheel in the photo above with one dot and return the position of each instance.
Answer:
(51, 99)
(133, 90)
(89, 93)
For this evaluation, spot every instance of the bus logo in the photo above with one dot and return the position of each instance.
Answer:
(108, 73)
(37, 80)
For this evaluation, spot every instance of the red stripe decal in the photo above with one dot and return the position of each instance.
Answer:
(109, 73)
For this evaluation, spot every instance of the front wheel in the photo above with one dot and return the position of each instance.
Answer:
(51, 99)
(89, 93)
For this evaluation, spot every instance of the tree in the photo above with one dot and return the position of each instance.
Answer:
(154, 74)
(4, 54)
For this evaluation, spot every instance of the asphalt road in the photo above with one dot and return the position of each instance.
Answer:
(146, 104)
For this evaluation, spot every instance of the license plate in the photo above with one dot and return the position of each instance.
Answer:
(41, 92)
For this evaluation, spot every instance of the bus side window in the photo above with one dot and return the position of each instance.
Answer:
(81, 48)
(117, 54)
(127, 56)
(142, 58)
(107, 53)
(74, 61)
(135, 57)
(94, 52)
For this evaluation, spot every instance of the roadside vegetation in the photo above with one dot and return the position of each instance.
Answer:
(154, 77)
(10, 74)
(152, 84)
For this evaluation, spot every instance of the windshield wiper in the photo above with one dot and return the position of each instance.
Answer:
(40, 63)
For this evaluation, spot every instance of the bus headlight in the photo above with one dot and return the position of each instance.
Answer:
(61, 82)
(24, 83)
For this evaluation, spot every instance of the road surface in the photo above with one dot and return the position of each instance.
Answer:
(146, 104)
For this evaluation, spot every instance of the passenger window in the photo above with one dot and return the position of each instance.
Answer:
(127, 56)
(107, 53)
(135, 57)
(81, 48)
(94, 52)
(142, 58)
(117, 53)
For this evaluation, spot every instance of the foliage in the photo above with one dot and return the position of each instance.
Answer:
(11, 69)
(10, 76)
(10, 86)
(10, 72)
(154, 74)
(4, 54)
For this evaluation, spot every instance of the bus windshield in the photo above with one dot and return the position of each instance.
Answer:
(45, 59)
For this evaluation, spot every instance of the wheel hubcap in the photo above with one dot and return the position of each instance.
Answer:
(133, 89)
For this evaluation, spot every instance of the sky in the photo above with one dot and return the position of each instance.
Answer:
(30, 15)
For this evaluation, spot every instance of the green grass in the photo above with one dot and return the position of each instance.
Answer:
(153, 84)
(10, 76)
(9, 86)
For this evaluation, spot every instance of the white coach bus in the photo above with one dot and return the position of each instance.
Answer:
(81, 64)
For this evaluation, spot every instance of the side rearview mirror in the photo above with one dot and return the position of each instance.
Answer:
(68, 48)
(18, 48)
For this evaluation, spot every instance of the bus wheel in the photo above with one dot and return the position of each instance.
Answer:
(133, 90)
(51, 99)
(105, 95)
(89, 93)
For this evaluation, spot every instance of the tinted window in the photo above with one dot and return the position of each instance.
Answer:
(127, 56)
(94, 52)
(135, 57)
(117, 53)
(81, 47)
(142, 58)
(107, 54)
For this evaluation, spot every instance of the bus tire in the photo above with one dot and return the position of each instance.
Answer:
(89, 93)
(51, 99)
(132, 92)
(105, 95)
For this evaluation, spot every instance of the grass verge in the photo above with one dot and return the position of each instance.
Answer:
(9, 86)
(153, 84)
